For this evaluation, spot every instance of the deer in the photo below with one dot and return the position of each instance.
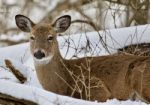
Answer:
(105, 77)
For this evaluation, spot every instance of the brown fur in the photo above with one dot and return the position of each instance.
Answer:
(113, 76)
(120, 75)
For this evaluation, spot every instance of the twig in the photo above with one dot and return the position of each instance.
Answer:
(16, 72)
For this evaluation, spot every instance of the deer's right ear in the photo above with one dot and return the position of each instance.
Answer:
(24, 23)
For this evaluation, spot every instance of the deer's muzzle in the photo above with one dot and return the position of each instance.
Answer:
(39, 54)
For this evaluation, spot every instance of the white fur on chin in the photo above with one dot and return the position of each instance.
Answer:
(43, 61)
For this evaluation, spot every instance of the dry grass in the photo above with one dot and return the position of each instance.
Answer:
(83, 82)
(142, 49)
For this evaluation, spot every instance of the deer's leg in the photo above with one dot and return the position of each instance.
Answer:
(99, 91)
(141, 81)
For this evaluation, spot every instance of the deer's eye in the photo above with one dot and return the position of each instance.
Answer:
(32, 37)
(50, 38)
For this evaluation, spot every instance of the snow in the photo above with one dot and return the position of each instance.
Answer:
(19, 37)
(31, 90)
(114, 39)
(43, 97)
(18, 52)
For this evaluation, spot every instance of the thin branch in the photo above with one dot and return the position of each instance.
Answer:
(15, 71)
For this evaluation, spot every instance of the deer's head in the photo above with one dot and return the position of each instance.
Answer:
(43, 42)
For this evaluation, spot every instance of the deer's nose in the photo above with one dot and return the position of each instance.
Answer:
(39, 54)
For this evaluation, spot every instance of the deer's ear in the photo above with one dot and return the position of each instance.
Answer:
(62, 23)
(24, 23)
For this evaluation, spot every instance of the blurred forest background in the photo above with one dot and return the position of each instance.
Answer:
(87, 15)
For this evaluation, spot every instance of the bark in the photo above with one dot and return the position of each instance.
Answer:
(9, 100)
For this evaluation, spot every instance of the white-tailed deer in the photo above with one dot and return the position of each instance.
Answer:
(94, 78)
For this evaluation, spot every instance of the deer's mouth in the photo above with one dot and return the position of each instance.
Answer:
(44, 60)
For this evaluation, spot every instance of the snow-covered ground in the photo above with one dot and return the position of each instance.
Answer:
(22, 59)
(43, 97)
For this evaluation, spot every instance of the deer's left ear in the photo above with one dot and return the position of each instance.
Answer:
(62, 23)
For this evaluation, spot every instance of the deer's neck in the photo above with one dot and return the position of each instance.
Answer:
(50, 75)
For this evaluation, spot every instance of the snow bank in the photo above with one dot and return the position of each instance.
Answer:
(43, 97)
(114, 39)
(18, 52)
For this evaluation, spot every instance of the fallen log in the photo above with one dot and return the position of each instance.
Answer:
(10, 100)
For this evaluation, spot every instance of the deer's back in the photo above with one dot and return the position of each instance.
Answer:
(114, 72)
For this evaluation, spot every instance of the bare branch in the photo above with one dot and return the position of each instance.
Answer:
(16, 72)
